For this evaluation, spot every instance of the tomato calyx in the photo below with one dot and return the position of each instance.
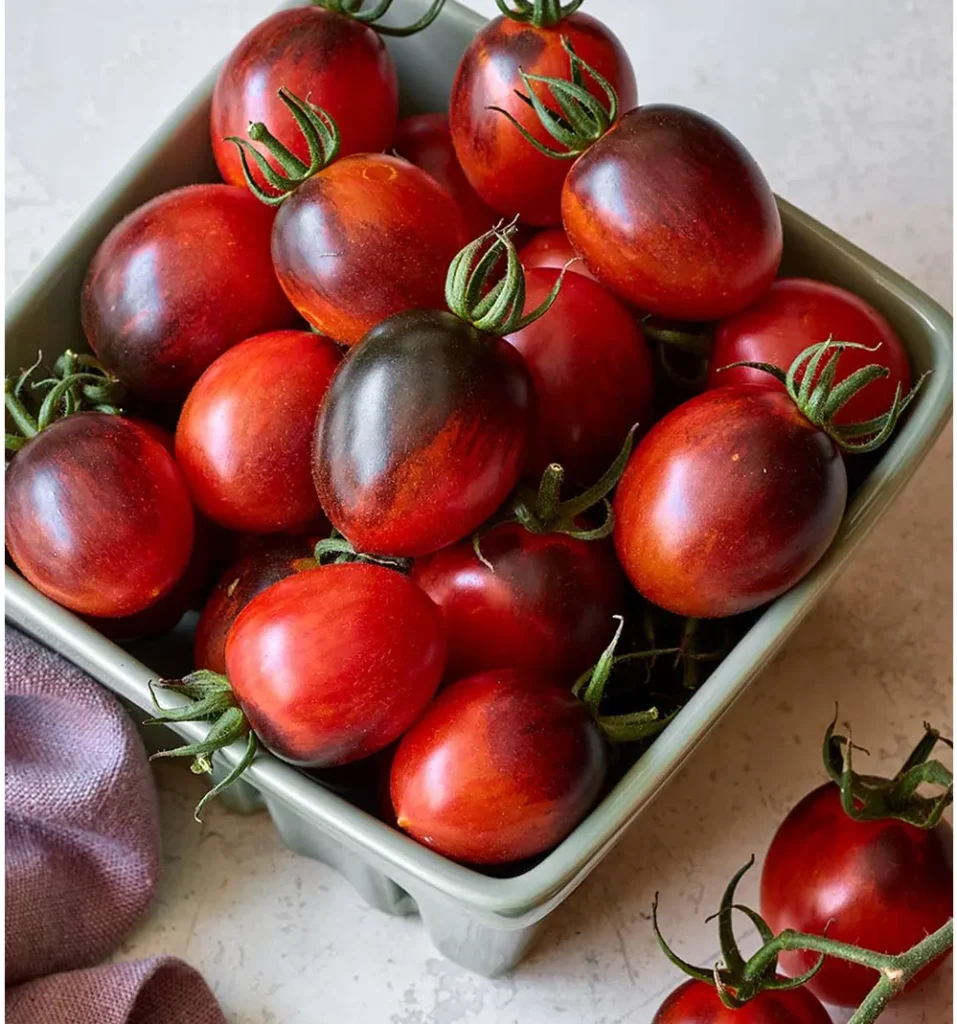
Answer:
(540, 13)
(691, 344)
(78, 383)
(354, 9)
(819, 399)
(210, 698)
(322, 138)
(337, 550)
(869, 798)
(583, 119)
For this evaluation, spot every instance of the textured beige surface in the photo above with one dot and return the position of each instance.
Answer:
(848, 108)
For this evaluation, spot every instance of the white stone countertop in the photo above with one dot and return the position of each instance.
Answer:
(847, 106)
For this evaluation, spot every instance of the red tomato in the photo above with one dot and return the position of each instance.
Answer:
(696, 1002)
(425, 140)
(340, 64)
(547, 605)
(266, 563)
(502, 766)
(796, 313)
(593, 374)
(882, 885)
(728, 502)
(333, 664)
(423, 434)
(364, 238)
(244, 437)
(672, 213)
(179, 281)
(98, 515)
(505, 170)
(551, 248)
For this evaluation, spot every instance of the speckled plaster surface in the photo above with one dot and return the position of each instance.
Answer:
(848, 108)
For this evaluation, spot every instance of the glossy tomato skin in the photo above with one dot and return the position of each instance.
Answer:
(98, 515)
(332, 664)
(696, 1002)
(673, 214)
(368, 237)
(244, 437)
(503, 167)
(883, 885)
(728, 502)
(422, 435)
(272, 559)
(548, 606)
(179, 281)
(795, 313)
(593, 374)
(332, 60)
(551, 248)
(502, 766)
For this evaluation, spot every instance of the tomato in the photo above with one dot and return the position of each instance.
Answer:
(551, 248)
(672, 213)
(796, 313)
(332, 664)
(507, 172)
(727, 502)
(336, 61)
(502, 766)
(593, 374)
(179, 281)
(98, 515)
(697, 1002)
(267, 562)
(546, 605)
(882, 885)
(422, 435)
(244, 437)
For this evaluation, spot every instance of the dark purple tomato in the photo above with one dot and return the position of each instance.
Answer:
(796, 313)
(502, 766)
(696, 1002)
(881, 885)
(551, 248)
(98, 515)
(266, 562)
(244, 437)
(365, 238)
(335, 61)
(728, 502)
(546, 605)
(673, 214)
(179, 281)
(333, 664)
(504, 169)
(593, 374)
(422, 435)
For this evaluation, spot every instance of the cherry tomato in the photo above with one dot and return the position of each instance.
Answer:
(332, 664)
(696, 1002)
(179, 281)
(551, 248)
(593, 374)
(882, 885)
(796, 313)
(98, 515)
(672, 213)
(506, 171)
(502, 766)
(267, 562)
(546, 605)
(244, 437)
(423, 434)
(728, 502)
(339, 63)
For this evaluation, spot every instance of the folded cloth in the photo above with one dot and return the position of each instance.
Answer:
(82, 855)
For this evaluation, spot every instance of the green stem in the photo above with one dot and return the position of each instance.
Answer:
(25, 423)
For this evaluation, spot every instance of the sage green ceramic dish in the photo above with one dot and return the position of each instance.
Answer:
(484, 923)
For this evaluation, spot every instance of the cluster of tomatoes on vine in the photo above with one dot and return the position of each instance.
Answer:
(459, 354)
